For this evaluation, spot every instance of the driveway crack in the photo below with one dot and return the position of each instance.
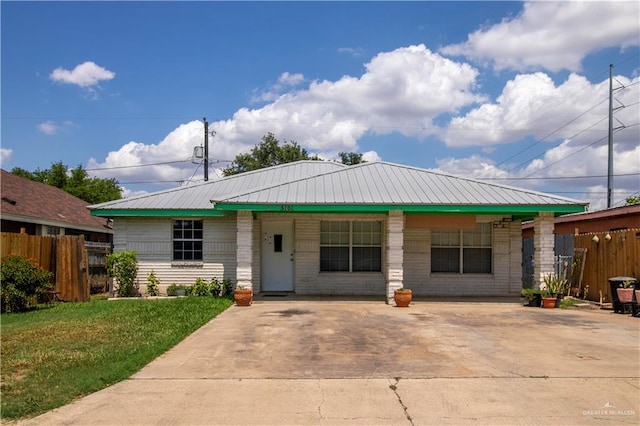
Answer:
(321, 401)
(394, 388)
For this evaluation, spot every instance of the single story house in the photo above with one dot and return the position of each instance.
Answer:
(34, 208)
(323, 228)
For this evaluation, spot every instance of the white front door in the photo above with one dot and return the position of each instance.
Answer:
(277, 256)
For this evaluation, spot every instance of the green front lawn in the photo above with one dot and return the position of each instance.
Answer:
(56, 354)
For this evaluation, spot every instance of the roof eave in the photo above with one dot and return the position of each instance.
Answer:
(156, 212)
(522, 211)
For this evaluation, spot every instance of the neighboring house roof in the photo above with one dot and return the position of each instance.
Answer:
(367, 187)
(24, 200)
(596, 221)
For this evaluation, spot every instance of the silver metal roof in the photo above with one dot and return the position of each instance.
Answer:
(198, 196)
(386, 183)
(322, 182)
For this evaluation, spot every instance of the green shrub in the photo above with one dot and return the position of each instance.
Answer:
(23, 284)
(153, 284)
(200, 288)
(123, 266)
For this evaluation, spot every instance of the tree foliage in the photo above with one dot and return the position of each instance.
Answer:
(630, 201)
(351, 158)
(74, 181)
(268, 153)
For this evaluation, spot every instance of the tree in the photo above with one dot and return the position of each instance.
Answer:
(351, 158)
(74, 181)
(630, 201)
(268, 153)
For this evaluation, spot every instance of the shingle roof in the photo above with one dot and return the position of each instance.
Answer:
(27, 201)
(314, 183)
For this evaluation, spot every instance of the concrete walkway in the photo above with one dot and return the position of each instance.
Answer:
(315, 362)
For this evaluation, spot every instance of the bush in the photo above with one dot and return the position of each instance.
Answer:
(153, 284)
(123, 266)
(200, 288)
(23, 284)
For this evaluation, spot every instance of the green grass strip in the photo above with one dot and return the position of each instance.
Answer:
(57, 354)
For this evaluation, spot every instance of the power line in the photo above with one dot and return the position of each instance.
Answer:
(559, 177)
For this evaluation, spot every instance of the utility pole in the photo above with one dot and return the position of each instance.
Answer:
(206, 149)
(610, 168)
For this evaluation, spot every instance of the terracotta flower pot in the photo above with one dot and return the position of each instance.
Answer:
(549, 302)
(402, 298)
(625, 295)
(637, 296)
(243, 296)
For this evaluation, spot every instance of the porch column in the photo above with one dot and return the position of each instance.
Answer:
(244, 249)
(543, 242)
(395, 253)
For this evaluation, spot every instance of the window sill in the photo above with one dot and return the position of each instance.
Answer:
(186, 264)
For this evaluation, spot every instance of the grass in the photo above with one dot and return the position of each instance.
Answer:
(56, 354)
(567, 303)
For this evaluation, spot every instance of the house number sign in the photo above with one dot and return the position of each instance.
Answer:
(286, 208)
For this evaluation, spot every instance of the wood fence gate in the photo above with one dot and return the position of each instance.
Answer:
(63, 255)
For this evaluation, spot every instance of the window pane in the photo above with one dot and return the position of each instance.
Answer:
(477, 261)
(367, 259)
(187, 239)
(334, 259)
(445, 259)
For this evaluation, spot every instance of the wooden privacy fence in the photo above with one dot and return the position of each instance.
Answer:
(63, 255)
(612, 254)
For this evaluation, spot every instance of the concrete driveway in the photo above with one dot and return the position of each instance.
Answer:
(317, 362)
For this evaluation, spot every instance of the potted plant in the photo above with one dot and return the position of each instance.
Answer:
(554, 287)
(625, 291)
(533, 296)
(402, 297)
(243, 296)
(176, 290)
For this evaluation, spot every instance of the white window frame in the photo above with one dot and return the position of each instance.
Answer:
(463, 243)
(351, 245)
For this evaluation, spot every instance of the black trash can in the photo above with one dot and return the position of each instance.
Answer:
(614, 283)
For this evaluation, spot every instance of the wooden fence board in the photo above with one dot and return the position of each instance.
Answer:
(608, 258)
(62, 255)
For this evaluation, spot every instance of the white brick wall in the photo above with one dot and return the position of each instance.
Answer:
(244, 251)
(504, 280)
(151, 239)
(543, 242)
(394, 259)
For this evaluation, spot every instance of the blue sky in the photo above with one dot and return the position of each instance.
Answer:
(514, 92)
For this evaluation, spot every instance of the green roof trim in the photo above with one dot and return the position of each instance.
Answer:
(525, 210)
(155, 212)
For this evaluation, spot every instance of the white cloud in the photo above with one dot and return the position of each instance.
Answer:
(285, 82)
(353, 51)
(48, 127)
(555, 35)
(5, 154)
(371, 156)
(532, 105)
(85, 75)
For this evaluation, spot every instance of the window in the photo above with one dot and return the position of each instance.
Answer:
(53, 230)
(466, 251)
(187, 240)
(350, 246)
